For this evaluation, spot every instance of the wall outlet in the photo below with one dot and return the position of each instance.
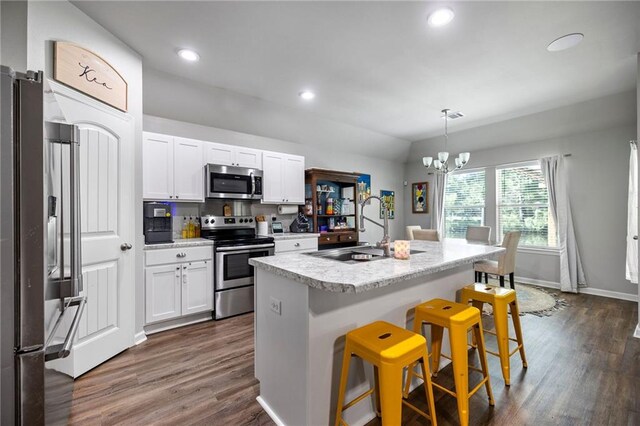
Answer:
(276, 305)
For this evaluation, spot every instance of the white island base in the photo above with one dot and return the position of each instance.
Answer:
(299, 350)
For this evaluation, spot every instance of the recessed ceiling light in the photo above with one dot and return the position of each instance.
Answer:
(307, 95)
(565, 42)
(188, 55)
(440, 17)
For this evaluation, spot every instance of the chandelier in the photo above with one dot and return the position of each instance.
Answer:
(441, 164)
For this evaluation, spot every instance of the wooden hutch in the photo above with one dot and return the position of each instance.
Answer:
(331, 206)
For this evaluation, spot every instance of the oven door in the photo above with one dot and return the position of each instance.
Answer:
(232, 182)
(232, 265)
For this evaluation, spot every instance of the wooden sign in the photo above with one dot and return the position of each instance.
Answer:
(90, 74)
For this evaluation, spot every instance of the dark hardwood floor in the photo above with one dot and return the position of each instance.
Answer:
(584, 369)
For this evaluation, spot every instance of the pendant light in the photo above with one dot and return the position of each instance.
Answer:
(441, 163)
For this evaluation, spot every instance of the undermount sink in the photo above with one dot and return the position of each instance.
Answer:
(346, 254)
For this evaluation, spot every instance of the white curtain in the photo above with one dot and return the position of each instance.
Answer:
(437, 217)
(571, 272)
(632, 217)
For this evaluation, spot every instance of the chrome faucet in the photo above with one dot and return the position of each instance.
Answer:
(385, 243)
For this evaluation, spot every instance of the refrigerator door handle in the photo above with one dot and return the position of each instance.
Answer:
(74, 207)
(63, 350)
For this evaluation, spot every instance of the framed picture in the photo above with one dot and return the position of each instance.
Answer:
(364, 188)
(389, 199)
(420, 197)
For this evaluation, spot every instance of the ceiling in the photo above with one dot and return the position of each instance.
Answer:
(377, 65)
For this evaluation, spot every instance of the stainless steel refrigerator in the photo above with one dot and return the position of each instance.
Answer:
(40, 251)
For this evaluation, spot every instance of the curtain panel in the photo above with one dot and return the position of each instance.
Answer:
(571, 271)
(631, 271)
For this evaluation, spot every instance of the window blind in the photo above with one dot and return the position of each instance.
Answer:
(523, 205)
(464, 202)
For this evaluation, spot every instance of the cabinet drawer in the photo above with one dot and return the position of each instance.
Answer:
(299, 244)
(348, 237)
(178, 255)
(328, 239)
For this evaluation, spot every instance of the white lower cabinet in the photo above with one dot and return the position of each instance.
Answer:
(197, 287)
(177, 289)
(302, 245)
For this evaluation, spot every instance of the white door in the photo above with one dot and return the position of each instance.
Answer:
(188, 170)
(272, 185)
(157, 167)
(197, 287)
(247, 157)
(162, 292)
(294, 179)
(107, 139)
(219, 154)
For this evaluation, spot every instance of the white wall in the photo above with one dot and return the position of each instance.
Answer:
(60, 20)
(385, 174)
(598, 175)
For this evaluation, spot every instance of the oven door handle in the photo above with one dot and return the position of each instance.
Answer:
(245, 249)
(253, 184)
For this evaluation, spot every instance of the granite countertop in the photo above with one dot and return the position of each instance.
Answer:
(293, 235)
(180, 242)
(343, 277)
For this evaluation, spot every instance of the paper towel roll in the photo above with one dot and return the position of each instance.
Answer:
(263, 228)
(286, 209)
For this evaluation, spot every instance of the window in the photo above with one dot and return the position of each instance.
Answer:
(523, 205)
(463, 202)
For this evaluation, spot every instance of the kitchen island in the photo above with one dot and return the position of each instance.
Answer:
(306, 304)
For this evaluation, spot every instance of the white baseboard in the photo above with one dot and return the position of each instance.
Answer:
(139, 338)
(269, 411)
(584, 290)
(637, 333)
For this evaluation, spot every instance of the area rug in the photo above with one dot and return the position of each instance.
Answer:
(532, 300)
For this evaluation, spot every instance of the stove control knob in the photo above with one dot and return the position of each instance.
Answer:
(213, 221)
(206, 221)
(251, 220)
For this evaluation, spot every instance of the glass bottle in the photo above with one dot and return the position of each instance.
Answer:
(197, 227)
(185, 228)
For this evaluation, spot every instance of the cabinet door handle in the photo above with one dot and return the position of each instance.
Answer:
(296, 245)
(177, 196)
(170, 196)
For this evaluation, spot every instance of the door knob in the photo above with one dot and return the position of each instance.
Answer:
(125, 246)
(635, 237)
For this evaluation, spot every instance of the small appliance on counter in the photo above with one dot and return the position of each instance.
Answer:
(158, 223)
(300, 224)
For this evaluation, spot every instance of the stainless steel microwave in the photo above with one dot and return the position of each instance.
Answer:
(240, 183)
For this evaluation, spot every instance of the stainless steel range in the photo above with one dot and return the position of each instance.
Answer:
(234, 243)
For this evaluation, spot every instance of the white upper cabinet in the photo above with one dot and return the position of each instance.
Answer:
(216, 153)
(294, 179)
(157, 170)
(247, 157)
(283, 178)
(228, 155)
(272, 175)
(172, 168)
(188, 170)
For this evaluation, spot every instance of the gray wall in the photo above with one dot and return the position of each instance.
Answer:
(13, 34)
(60, 20)
(598, 176)
(385, 174)
(180, 99)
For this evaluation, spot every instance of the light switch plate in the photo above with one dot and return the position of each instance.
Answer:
(275, 305)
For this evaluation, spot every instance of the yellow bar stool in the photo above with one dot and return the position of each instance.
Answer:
(458, 319)
(500, 298)
(389, 349)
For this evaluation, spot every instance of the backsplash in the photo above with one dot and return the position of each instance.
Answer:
(216, 208)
